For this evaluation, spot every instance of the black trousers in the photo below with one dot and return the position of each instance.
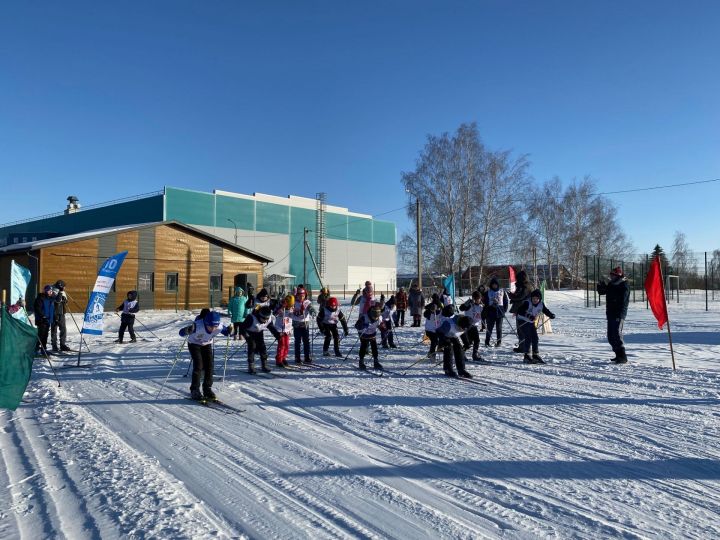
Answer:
(301, 334)
(203, 362)
(473, 335)
(452, 348)
(528, 336)
(615, 334)
(127, 322)
(331, 332)
(43, 331)
(387, 336)
(434, 340)
(236, 328)
(58, 325)
(400, 317)
(366, 342)
(256, 344)
(496, 321)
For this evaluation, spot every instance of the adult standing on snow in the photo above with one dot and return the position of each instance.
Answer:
(617, 293)
(58, 322)
(236, 309)
(367, 299)
(416, 302)
(401, 301)
(44, 309)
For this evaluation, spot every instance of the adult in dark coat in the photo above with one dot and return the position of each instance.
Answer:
(416, 302)
(617, 295)
(44, 309)
(58, 322)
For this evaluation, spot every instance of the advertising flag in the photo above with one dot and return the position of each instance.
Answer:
(19, 281)
(449, 284)
(93, 321)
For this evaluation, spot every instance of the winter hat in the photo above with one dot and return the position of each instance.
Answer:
(494, 281)
(212, 319)
(239, 291)
(374, 312)
(47, 289)
(132, 295)
(617, 271)
(464, 322)
(60, 284)
(263, 314)
(448, 311)
(476, 295)
(332, 303)
(536, 294)
(368, 284)
(289, 301)
(300, 291)
(263, 293)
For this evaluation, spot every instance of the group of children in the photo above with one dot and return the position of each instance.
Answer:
(448, 330)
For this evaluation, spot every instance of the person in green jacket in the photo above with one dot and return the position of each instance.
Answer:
(236, 308)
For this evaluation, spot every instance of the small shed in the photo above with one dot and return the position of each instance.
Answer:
(172, 265)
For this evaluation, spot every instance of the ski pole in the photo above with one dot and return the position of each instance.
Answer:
(173, 366)
(146, 328)
(423, 357)
(351, 348)
(82, 340)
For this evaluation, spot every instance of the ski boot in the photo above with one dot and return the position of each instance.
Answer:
(517, 349)
(451, 373)
(65, 348)
(464, 374)
(338, 354)
(209, 395)
(498, 343)
(487, 342)
(251, 368)
(133, 340)
(536, 359)
(527, 359)
(362, 365)
(263, 366)
(476, 357)
(196, 395)
(55, 350)
(118, 340)
(285, 364)
(326, 353)
(377, 365)
(308, 360)
(393, 346)
(298, 362)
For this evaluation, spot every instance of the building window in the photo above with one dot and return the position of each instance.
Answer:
(171, 281)
(34, 238)
(216, 282)
(146, 281)
(24, 239)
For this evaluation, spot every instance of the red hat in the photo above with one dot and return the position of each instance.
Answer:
(332, 302)
(617, 271)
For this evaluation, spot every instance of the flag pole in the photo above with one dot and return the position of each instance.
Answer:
(672, 352)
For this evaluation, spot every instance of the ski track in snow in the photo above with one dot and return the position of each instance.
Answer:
(576, 448)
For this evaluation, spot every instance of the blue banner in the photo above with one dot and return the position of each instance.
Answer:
(93, 321)
(449, 284)
(19, 281)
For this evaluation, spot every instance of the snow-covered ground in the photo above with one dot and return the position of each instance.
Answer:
(575, 448)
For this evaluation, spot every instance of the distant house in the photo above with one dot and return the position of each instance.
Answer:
(169, 263)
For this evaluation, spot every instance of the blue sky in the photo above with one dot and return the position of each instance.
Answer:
(107, 100)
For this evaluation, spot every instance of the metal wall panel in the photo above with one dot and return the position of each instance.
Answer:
(146, 263)
(107, 247)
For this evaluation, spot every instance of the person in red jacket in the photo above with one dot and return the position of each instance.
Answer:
(401, 303)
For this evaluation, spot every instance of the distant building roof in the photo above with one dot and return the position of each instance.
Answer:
(39, 244)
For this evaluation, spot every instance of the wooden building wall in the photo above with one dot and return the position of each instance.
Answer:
(169, 249)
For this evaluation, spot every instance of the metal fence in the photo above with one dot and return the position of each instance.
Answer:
(692, 279)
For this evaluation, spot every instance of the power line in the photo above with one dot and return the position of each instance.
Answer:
(667, 186)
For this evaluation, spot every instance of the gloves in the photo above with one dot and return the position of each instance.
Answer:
(552, 315)
(188, 329)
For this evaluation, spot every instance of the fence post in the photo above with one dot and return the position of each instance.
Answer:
(634, 284)
(706, 284)
(177, 289)
(598, 277)
(587, 283)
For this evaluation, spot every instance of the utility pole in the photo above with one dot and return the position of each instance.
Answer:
(305, 248)
(419, 242)
(234, 225)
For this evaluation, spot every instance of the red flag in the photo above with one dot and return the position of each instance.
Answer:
(511, 270)
(656, 292)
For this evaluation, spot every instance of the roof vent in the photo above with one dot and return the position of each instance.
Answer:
(73, 205)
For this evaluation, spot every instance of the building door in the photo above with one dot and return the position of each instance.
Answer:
(243, 280)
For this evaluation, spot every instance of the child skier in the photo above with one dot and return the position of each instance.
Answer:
(200, 335)
(450, 331)
(262, 299)
(367, 326)
(253, 330)
(302, 311)
(284, 326)
(329, 317)
(236, 309)
(433, 319)
(473, 308)
(367, 298)
(496, 302)
(129, 308)
(526, 316)
(387, 336)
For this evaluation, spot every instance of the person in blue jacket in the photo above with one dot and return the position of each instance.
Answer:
(200, 335)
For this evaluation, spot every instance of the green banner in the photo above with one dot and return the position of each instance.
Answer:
(17, 351)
